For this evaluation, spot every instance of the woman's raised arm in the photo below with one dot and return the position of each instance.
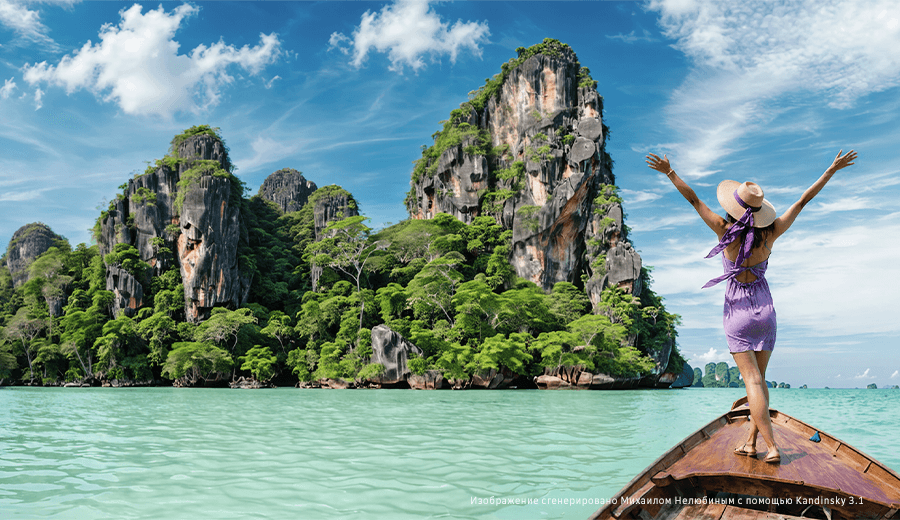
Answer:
(784, 222)
(714, 221)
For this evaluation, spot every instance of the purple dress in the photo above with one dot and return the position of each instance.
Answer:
(749, 311)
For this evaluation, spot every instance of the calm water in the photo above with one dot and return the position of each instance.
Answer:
(365, 454)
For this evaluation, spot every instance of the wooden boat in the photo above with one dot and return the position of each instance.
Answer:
(702, 478)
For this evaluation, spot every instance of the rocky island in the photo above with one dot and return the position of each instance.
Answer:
(515, 268)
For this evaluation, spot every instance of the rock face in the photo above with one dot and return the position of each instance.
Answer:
(189, 205)
(287, 188)
(529, 149)
(430, 380)
(391, 350)
(28, 242)
(128, 291)
(547, 176)
(685, 379)
(329, 204)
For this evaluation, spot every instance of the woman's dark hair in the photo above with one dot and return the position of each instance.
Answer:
(760, 234)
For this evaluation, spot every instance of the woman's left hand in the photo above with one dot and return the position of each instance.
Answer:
(660, 165)
(842, 161)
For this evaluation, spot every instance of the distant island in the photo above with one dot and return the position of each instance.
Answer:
(720, 375)
(515, 268)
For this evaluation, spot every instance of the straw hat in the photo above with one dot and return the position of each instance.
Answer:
(752, 195)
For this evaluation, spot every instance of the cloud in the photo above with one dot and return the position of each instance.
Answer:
(407, 30)
(864, 375)
(634, 198)
(632, 38)
(136, 64)
(18, 196)
(713, 356)
(895, 374)
(38, 95)
(748, 56)
(6, 90)
(844, 204)
(25, 23)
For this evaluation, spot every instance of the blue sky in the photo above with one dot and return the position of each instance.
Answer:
(348, 92)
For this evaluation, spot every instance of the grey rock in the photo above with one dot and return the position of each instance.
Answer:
(208, 224)
(582, 150)
(129, 293)
(27, 243)
(287, 188)
(391, 350)
(686, 378)
(430, 380)
(590, 128)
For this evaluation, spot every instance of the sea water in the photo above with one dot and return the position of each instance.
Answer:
(161, 453)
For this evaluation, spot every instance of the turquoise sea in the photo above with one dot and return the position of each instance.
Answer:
(161, 453)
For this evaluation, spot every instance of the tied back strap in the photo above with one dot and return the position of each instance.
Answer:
(745, 222)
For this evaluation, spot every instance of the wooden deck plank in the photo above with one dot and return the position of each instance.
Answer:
(739, 513)
(702, 512)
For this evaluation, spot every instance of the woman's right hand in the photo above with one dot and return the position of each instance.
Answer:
(660, 165)
(842, 161)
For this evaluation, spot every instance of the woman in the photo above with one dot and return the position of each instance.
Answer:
(746, 240)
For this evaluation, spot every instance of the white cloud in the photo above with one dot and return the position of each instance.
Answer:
(6, 90)
(24, 22)
(864, 375)
(895, 374)
(136, 64)
(749, 55)
(407, 30)
(632, 38)
(18, 196)
(713, 356)
(38, 95)
(635, 198)
(271, 81)
(844, 204)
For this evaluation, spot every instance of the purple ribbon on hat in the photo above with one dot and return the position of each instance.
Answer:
(745, 222)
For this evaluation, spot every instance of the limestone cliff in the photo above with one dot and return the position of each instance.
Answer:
(329, 204)
(184, 211)
(288, 188)
(28, 242)
(529, 149)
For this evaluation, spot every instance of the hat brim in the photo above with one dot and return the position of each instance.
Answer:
(725, 193)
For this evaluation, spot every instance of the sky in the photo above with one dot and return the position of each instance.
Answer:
(348, 92)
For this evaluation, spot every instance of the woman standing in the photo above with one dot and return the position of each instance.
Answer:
(746, 240)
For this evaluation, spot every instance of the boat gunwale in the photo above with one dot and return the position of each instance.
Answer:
(733, 415)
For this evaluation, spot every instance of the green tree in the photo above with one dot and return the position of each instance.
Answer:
(260, 362)
(280, 328)
(26, 331)
(224, 326)
(499, 351)
(192, 361)
(347, 250)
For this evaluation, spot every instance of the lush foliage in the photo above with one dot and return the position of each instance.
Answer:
(445, 285)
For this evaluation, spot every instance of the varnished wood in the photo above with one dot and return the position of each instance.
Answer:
(705, 464)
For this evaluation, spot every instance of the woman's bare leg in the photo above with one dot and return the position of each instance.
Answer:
(762, 361)
(757, 397)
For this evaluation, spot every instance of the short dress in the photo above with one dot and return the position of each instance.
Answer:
(749, 317)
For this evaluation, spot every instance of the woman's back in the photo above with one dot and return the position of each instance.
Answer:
(757, 256)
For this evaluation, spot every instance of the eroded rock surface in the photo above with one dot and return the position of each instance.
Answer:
(392, 350)
(27, 243)
(185, 212)
(287, 188)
